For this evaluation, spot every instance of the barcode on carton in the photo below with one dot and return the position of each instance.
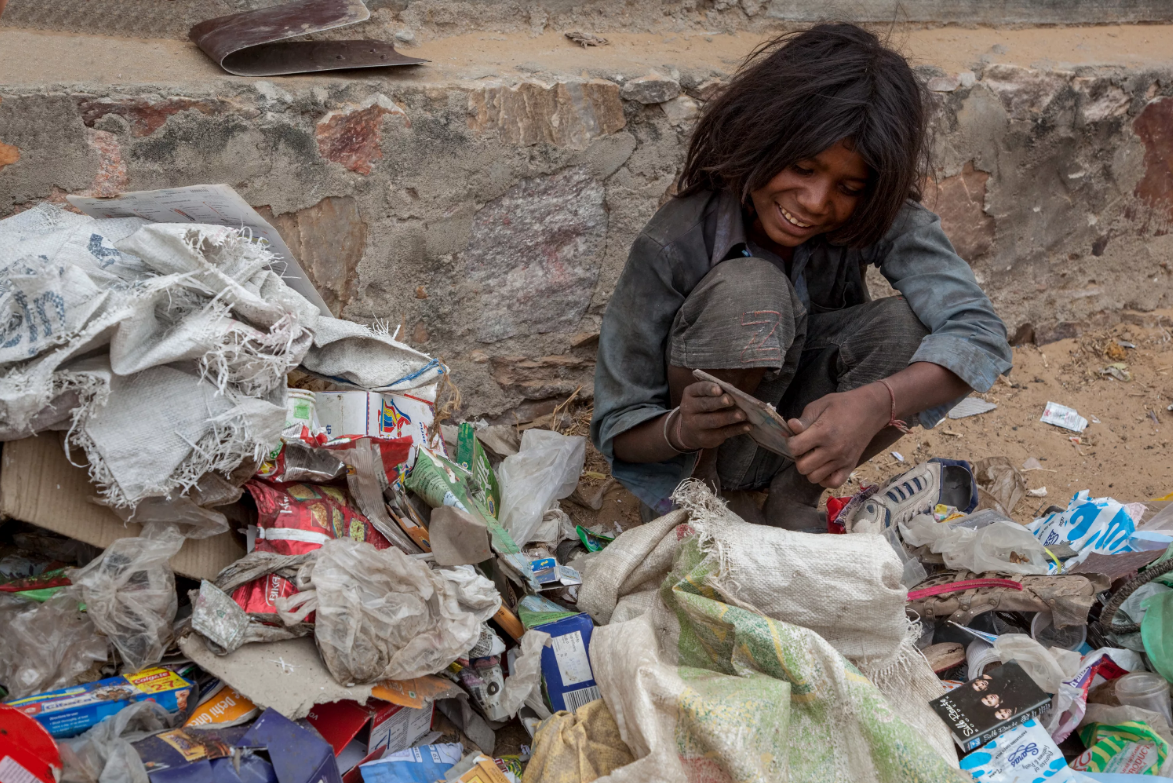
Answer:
(581, 697)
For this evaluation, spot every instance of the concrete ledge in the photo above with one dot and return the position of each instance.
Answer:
(985, 12)
(438, 18)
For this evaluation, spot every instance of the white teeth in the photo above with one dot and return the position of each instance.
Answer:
(793, 219)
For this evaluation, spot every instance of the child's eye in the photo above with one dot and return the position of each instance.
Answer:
(802, 170)
(852, 191)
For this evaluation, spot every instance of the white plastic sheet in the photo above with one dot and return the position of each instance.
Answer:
(546, 469)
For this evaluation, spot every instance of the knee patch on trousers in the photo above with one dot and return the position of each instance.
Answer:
(744, 313)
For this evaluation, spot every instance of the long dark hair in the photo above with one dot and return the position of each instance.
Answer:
(803, 92)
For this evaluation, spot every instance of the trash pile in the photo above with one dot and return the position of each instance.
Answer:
(1047, 637)
(312, 576)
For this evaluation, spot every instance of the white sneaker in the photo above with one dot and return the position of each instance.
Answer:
(918, 491)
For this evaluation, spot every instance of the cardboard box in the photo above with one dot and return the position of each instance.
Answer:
(566, 665)
(187, 755)
(298, 755)
(38, 485)
(277, 749)
(359, 732)
(379, 415)
(223, 707)
(70, 711)
(416, 765)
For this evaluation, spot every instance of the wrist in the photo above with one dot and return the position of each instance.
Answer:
(875, 400)
(672, 432)
(678, 434)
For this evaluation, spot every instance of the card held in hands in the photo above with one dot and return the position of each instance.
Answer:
(769, 428)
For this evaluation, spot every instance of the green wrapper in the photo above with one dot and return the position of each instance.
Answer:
(443, 483)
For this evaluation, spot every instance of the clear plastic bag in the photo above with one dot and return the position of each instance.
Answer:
(157, 513)
(1001, 546)
(545, 469)
(1048, 668)
(129, 593)
(44, 647)
(384, 615)
(104, 753)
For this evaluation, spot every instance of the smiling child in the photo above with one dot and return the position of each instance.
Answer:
(801, 173)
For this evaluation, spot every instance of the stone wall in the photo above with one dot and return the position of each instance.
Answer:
(490, 219)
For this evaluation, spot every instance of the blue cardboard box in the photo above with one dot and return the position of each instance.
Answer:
(70, 711)
(567, 676)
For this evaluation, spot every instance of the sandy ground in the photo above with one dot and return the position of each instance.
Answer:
(32, 58)
(1124, 452)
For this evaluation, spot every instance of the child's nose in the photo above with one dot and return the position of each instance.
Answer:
(815, 199)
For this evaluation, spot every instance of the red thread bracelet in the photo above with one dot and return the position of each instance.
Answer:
(892, 420)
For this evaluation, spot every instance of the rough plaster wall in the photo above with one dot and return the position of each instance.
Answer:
(490, 220)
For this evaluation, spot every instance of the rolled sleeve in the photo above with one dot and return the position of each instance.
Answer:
(631, 377)
(966, 336)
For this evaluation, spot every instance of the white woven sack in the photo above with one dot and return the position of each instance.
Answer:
(844, 588)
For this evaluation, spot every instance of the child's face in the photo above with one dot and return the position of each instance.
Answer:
(811, 197)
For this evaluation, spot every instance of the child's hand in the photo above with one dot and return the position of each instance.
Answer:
(833, 433)
(708, 418)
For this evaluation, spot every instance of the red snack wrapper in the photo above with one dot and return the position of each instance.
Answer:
(294, 519)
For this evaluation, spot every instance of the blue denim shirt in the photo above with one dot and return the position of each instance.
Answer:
(690, 235)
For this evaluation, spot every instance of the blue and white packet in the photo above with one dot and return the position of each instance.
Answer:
(424, 764)
(1087, 525)
(1025, 754)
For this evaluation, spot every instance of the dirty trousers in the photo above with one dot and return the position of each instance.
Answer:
(745, 313)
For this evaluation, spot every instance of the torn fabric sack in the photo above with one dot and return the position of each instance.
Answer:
(741, 652)
(105, 322)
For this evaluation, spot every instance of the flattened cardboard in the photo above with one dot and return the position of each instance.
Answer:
(287, 676)
(38, 485)
(290, 677)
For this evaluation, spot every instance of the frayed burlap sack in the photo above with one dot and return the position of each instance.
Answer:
(804, 609)
(163, 348)
(364, 358)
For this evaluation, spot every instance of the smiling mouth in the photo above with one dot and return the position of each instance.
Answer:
(791, 219)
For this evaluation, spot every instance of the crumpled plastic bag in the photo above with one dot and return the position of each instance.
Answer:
(104, 753)
(129, 593)
(526, 678)
(382, 615)
(1000, 485)
(556, 526)
(546, 469)
(1049, 668)
(44, 647)
(1001, 546)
